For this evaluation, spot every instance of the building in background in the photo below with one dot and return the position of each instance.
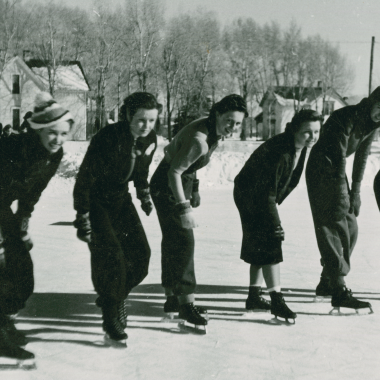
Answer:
(23, 79)
(279, 105)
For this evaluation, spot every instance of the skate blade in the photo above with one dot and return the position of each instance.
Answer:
(254, 311)
(14, 364)
(115, 343)
(283, 321)
(171, 318)
(319, 299)
(363, 311)
(195, 329)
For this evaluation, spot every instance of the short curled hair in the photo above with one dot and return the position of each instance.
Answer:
(137, 100)
(230, 103)
(301, 117)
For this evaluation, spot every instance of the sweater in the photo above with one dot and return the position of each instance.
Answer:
(113, 159)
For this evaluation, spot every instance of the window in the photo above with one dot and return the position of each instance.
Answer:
(328, 107)
(16, 119)
(15, 84)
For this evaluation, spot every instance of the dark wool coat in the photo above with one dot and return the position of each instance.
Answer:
(26, 168)
(348, 130)
(266, 179)
(107, 165)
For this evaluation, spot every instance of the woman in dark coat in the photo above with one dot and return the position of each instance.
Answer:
(27, 163)
(175, 190)
(106, 217)
(334, 205)
(267, 178)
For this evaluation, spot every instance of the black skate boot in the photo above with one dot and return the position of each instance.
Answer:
(122, 313)
(171, 306)
(255, 303)
(279, 307)
(342, 297)
(323, 290)
(8, 349)
(15, 335)
(190, 314)
(115, 334)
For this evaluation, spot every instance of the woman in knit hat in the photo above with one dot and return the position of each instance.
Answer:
(267, 178)
(334, 204)
(174, 190)
(106, 218)
(27, 163)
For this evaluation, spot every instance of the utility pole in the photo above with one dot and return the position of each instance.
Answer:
(371, 66)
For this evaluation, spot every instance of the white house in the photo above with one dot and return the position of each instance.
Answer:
(278, 106)
(22, 80)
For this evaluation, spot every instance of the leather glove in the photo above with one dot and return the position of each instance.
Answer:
(184, 211)
(146, 203)
(195, 200)
(2, 251)
(279, 233)
(83, 226)
(23, 222)
(341, 204)
(355, 201)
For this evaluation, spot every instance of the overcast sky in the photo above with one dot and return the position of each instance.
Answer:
(351, 23)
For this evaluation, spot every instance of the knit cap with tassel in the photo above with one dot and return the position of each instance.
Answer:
(47, 112)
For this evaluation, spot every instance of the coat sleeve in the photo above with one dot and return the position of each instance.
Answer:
(29, 199)
(91, 167)
(361, 157)
(337, 145)
(140, 177)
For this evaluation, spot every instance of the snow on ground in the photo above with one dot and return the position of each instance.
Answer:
(64, 325)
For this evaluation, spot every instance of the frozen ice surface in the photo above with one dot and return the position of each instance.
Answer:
(63, 324)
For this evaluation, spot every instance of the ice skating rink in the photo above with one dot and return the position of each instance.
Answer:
(63, 324)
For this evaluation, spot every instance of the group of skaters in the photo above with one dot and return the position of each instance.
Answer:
(108, 222)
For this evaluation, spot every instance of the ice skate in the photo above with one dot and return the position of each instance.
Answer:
(13, 356)
(257, 304)
(279, 307)
(115, 335)
(15, 335)
(323, 290)
(122, 313)
(171, 308)
(191, 319)
(343, 297)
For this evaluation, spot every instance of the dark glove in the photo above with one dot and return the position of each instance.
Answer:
(279, 233)
(23, 223)
(195, 200)
(185, 214)
(2, 251)
(146, 203)
(355, 201)
(341, 202)
(83, 225)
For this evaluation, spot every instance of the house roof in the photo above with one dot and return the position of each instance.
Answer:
(284, 95)
(69, 75)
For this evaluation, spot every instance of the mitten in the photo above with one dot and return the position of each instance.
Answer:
(341, 202)
(23, 223)
(184, 211)
(279, 233)
(146, 203)
(355, 201)
(195, 200)
(83, 225)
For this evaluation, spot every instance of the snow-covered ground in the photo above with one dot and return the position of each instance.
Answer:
(63, 324)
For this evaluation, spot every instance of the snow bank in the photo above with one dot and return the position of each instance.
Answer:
(221, 171)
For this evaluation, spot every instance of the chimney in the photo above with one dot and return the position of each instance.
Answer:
(319, 83)
(26, 55)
